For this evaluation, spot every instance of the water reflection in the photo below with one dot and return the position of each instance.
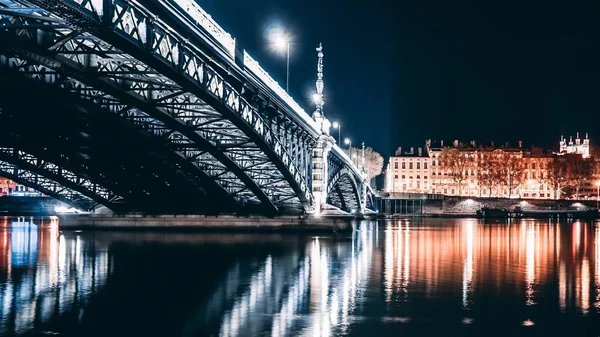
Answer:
(44, 275)
(328, 281)
(430, 275)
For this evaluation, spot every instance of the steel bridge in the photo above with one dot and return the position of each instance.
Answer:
(150, 106)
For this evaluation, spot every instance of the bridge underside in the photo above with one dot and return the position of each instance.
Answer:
(91, 124)
(107, 161)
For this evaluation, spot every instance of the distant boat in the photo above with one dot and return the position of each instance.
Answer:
(492, 213)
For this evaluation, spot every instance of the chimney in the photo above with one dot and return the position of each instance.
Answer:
(412, 150)
(442, 143)
(473, 143)
(520, 144)
(493, 144)
(420, 151)
(455, 143)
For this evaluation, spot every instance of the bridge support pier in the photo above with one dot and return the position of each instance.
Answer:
(324, 143)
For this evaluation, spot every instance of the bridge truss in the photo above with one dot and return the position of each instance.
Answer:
(166, 124)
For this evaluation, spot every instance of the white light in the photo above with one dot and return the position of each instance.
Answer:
(335, 125)
(316, 98)
(347, 141)
(65, 209)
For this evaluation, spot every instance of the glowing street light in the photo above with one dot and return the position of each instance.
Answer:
(337, 126)
(348, 142)
(316, 99)
(282, 44)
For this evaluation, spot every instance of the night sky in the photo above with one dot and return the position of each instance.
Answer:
(399, 72)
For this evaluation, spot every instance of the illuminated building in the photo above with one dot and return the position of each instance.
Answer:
(421, 172)
(9, 187)
(580, 146)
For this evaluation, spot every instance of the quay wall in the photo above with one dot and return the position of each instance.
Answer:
(469, 206)
(461, 205)
(11, 205)
(200, 222)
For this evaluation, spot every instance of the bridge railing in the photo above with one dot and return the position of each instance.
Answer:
(211, 26)
(344, 156)
(205, 21)
(262, 74)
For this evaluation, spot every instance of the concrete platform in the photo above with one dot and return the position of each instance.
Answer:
(201, 222)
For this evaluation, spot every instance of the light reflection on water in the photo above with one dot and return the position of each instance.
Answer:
(454, 276)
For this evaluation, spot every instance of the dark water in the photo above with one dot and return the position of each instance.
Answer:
(404, 278)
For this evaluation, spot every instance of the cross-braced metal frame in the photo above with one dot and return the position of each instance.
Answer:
(343, 188)
(226, 133)
(209, 124)
(23, 167)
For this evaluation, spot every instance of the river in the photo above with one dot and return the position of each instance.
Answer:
(413, 277)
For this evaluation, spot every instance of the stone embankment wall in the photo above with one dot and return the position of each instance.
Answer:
(28, 204)
(461, 205)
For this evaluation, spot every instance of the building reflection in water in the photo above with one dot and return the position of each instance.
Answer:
(44, 275)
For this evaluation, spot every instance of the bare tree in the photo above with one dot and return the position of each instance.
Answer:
(579, 170)
(456, 162)
(513, 170)
(557, 173)
(486, 164)
(373, 161)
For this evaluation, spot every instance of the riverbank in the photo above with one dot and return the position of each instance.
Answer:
(201, 222)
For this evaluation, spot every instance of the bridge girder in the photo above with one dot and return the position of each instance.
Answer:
(69, 51)
(182, 71)
(73, 145)
(53, 180)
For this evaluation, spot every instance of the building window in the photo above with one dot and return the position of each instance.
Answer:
(410, 166)
(425, 177)
(403, 176)
(418, 177)
(396, 165)
(403, 165)
(396, 176)
(425, 165)
(418, 165)
(433, 173)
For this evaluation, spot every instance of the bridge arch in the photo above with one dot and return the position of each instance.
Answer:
(174, 99)
(63, 185)
(343, 191)
(161, 147)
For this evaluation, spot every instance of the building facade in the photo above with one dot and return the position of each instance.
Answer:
(525, 171)
(9, 187)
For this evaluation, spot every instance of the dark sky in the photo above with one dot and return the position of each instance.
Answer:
(399, 72)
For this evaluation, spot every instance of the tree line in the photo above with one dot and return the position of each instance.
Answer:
(498, 169)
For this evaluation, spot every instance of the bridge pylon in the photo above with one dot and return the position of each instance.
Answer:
(320, 169)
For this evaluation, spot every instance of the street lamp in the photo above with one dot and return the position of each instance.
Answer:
(338, 126)
(348, 142)
(282, 43)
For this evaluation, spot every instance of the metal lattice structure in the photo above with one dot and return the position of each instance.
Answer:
(206, 124)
